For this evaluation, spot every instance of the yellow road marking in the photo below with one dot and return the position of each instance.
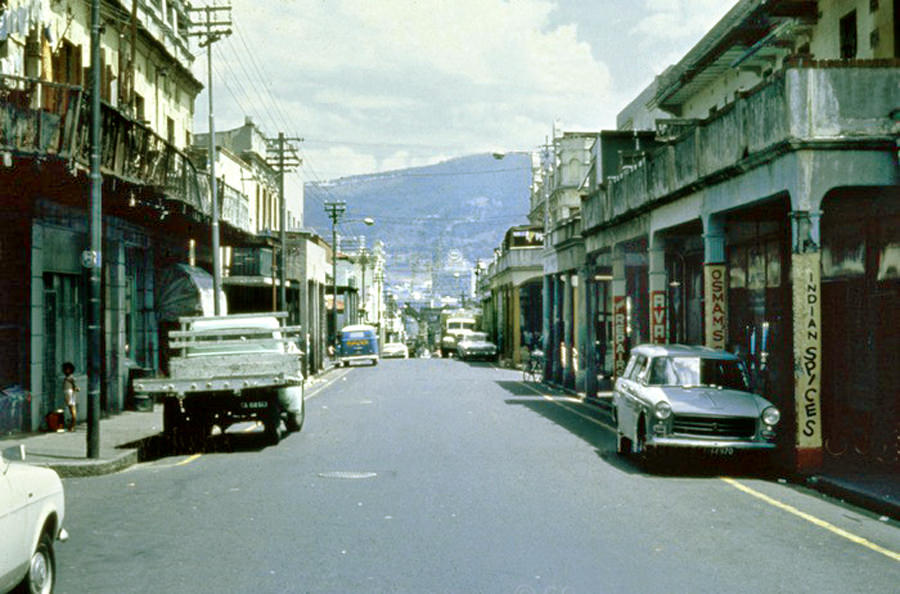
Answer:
(188, 460)
(773, 502)
(557, 401)
(813, 520)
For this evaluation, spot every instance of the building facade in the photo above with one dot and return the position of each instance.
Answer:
(758, 213)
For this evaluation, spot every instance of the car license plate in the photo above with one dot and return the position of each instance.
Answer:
(721, 451)
(254, 404)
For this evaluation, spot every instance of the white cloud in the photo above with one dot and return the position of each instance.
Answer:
(679, 21)
(458, 76)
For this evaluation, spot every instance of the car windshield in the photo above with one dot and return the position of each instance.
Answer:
(698, 371)
(476, 337)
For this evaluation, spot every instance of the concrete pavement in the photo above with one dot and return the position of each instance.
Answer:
(874, 488)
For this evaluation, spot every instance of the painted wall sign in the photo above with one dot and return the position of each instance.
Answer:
(658, 317)
(805, 270)
(620, 322)
(716, 305)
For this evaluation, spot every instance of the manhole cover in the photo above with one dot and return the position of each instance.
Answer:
(347, 474)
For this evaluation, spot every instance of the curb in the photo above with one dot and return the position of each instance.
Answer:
(93, 467)
(854, 496)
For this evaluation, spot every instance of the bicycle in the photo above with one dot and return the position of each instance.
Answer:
(533, 371)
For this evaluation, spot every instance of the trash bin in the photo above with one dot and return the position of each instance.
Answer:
(56, 420)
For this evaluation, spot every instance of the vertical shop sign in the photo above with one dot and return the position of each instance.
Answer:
(658, 316)
(716, 308)
(620, 322)
(807, 349)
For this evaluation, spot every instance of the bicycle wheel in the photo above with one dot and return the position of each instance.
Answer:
(527, 373)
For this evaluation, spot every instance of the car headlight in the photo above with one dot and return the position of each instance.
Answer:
(771, 416)
(662, 410)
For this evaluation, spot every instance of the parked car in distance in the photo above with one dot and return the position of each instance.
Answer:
(475, 345)
(676, 396)
(32, 509)
(395, 350)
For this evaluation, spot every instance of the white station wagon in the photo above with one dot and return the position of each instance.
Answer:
(32, 508)
(675, 396)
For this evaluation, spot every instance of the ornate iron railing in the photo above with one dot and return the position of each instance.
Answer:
(50, 120)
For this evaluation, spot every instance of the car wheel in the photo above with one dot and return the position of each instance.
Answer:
(272, 422)
(41, 569)
(623, 445)
(294, 421)
(646, 455)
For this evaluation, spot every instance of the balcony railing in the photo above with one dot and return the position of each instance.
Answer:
(235, 207)
(828, 102)
(45, 119)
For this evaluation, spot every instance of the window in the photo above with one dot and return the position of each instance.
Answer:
(848, 36)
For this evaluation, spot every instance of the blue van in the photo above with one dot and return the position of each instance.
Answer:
(358, 343)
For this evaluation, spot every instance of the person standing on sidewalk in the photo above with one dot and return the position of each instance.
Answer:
(69, 390)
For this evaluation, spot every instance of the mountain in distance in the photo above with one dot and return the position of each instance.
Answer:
(433, 220)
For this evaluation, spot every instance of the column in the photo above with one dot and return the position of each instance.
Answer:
(516, 325)
(586, 376)
(117, 371)
(41, 395)
(546, 321)
(556, 348)
(568, 320)
(658, 284)
(715, 286)
(620, 311)
(806, 262)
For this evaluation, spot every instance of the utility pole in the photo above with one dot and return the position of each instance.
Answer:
(282, 159)
(93, 259)
(335, 210)
(216, 26)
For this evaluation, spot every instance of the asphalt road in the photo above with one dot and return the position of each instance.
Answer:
(444, 476)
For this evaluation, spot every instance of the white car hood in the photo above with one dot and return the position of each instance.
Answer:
(711, 401)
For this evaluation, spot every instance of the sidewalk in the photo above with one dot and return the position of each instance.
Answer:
(66, 452)
(120, 439)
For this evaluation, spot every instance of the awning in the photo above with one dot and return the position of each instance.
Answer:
(187, 291)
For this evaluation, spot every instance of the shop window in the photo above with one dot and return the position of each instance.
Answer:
(844, 252)
(756, 268)
(889, 262)
(737, 268)
(773, 264)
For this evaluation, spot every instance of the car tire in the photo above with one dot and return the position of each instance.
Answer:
(41, 574)
(272, 422)
(623, 445)
(294, 421)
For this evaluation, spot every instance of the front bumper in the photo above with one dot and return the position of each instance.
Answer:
(693, 442)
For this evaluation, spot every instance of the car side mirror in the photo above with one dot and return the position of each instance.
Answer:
(15, 453)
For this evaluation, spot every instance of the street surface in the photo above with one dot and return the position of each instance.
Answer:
(444, 476)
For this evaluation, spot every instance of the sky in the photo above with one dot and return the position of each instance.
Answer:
(377, 85)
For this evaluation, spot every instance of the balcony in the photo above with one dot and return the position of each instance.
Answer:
(825, 105)
(50, 121)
